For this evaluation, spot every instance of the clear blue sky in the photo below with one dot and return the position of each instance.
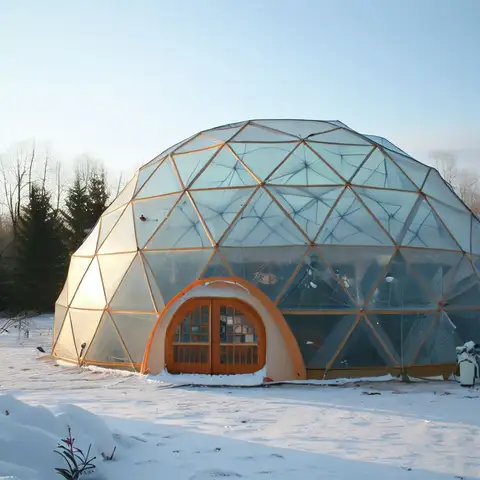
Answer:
(123, 79)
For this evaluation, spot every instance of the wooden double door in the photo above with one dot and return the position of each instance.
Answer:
(215, 336)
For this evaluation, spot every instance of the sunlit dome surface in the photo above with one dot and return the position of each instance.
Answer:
(369, 255)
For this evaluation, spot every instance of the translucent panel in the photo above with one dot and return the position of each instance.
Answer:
(84, 325)
(60, 312)
(464, 288)
(475, 249)
(225, 170)
(224, 133)
(76, 271)
(467, 324)
(216, 267)
(476, 263)
(182, 229)
(157, 296)
(253, 133)
(113, 268)
(263, 223)
(308, 207)
(390, 208)
(350, 223)
(133, 292)
(358, 269)
(304, 167)
(338, 123)
(268, 268)
(135, 330)
(63, 297)
(164, 180)
(400, 288)
(219, 208)
(340, 136)
(315, 287)
(299, 128)
(319, 336)
(385, 143)
(416, 171)
(435, 269)
(426, 230)
(190, 164)
(90, 292)
(344, 159)
(144, 174)
(199, 142)
(262, 158)
(173, 271)
(107, 222)
(65, 346)
(436, 187)
(106, 347)
(169, 150)
(380, 171)
(457, 222)
(363, 349)
(124, 196)
(149, 214)
(89, 246)
(122, 237)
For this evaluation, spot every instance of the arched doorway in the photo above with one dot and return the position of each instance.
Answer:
(215, 336)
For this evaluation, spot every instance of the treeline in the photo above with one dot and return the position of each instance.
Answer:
(45, 218)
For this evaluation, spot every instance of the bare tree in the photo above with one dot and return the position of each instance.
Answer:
(446, 164)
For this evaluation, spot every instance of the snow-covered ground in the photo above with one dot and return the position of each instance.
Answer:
(366, 430)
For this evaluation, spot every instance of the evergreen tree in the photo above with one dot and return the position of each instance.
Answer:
(41, 255)
(76, 214)
(98, 195)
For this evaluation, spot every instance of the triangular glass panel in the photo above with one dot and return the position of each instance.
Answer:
(216, 267)
(253, 133)
(338, 123)
(122, 238)
(308, 207)
(149, 215)
(435, 268)
(189, 165)
(133, 294)
(458, 222)
(426, 230)
(90, 291)
(135, 330)
(316, 287)
(173, 271)
(163, 181)
(182, 229)
(63, 297)
(350, 223)
(199, 142)
(379, 171)
(341, 136)
(269, 268)
(390, 207)
(343, 159)
(89, 245)
(59, 317)
(363, 348)
(385, 143)
(263, 223)
(475, 249)
(84, 326)
(113, 268)
(400, 288)
(414, 170)
(169, 150)
(124, 196)
(76, 271)
(262, 158)
(65, 346)
(357, 269)
(304, 168)
(299, 128)
(436, 187)
(219, 208)
(145, 173)
(225, 133)
(467, 324)
(107, 222)
(106, 347)
(381, 325)
(319, 335)
(463, 290)
(225, 170)
(157, 296)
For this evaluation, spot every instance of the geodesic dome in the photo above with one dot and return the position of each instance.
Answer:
(369, 255)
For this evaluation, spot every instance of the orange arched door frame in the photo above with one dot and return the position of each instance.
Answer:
(205, 350)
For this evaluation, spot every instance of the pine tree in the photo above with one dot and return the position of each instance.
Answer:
(76, 214)
(98, 195)
(41, 256)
